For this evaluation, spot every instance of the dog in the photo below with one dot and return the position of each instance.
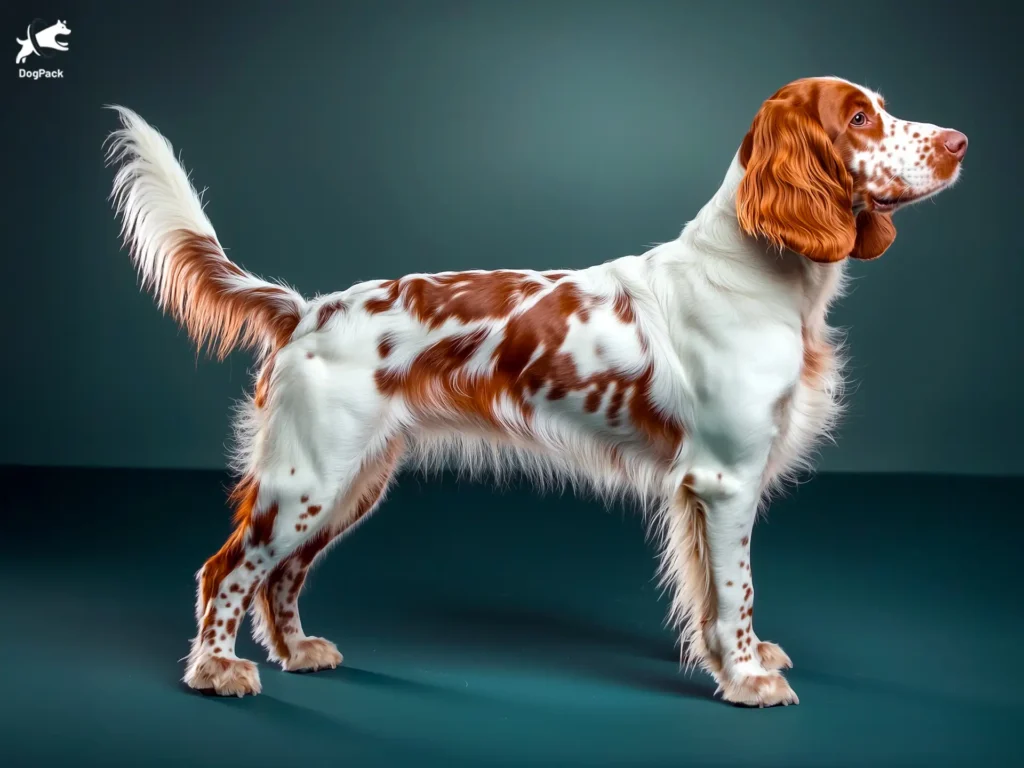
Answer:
(45, 38)
(696, 378)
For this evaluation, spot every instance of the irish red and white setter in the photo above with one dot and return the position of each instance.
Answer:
(694, 378)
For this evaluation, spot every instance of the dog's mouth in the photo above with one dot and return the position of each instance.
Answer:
(887, 204)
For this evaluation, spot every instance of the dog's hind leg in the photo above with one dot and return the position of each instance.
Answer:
(279, 515)
(277, 624)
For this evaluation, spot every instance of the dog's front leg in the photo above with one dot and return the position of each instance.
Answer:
(749, 669)
(708, 560)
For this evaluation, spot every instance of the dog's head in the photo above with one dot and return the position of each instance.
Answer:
(826, 166)
(57, 30)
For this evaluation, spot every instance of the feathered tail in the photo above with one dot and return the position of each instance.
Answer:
(177, 254)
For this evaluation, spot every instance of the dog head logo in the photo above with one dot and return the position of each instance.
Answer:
(39, 39)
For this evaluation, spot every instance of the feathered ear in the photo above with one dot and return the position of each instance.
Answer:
(875, 233)
(796, 192)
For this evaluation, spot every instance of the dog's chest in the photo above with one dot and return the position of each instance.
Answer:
(740, 356)
(739, 364)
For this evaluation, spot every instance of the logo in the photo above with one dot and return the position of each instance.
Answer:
(41, 41)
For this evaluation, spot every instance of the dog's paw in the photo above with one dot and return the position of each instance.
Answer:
(224, 676)
(773, 657)
(311, 654)
(768, 690)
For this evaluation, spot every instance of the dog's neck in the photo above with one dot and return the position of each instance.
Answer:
(721, 245)
(715, 228)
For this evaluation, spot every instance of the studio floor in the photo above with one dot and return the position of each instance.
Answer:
(502, 628)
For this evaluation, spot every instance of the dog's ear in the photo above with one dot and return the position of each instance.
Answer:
(796, 192)
(875, 233)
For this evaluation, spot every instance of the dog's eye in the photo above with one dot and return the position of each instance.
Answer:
(859, 119)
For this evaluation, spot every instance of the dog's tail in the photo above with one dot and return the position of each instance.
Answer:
(177, 254)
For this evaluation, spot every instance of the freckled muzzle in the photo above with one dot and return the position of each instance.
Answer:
(930, 164)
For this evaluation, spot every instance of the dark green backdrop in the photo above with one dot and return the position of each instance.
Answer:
(341, 142)
(345, 141)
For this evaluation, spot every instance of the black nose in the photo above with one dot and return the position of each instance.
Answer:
(955, 142)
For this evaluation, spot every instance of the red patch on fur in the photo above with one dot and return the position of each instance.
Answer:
(464, 296)
(526, 361)
(327, 311)
(263, 384)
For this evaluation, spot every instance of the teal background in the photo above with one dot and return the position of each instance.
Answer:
(486, 630)
(346, 141)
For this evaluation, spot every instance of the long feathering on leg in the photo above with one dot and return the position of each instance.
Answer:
(686, 571)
